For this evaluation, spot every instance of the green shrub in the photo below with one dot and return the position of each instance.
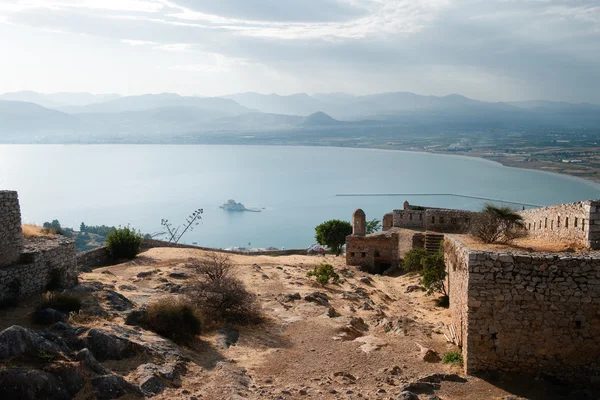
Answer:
(324, 273)
(434, 273)
(413, 260)
(124, 243)
(62, 302)
(453, 357)
(173, 318)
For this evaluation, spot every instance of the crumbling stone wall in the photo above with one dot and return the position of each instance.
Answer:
(410, 219)
(43, 260)
(530, 313)
(371, 251)
(577, 223)
(11, 236)
(388, 222)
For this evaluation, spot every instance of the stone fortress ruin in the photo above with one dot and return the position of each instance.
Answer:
(30, 265)
(517, 310)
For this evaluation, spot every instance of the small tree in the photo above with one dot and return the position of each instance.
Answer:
(333, 234)
(497, 224)
(413, 260)
(373, 226)
(124, 243)
(323, 273)
(434, 273)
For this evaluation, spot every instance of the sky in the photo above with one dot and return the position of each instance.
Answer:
(493, 50)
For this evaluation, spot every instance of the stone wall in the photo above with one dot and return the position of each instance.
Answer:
(388, 222)
(94, 258)
(43, 261)
(375, 252)
(577, 223)
(448, 221)
(530, 313)
(433, 219)
(11, 236)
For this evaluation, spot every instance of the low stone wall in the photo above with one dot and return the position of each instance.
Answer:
(529, 313)
(94, 258)
(410, 219)
(574, 222)
(11, 237)
(44, 260)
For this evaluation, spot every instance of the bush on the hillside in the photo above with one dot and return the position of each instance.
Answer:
(62, 302)
(497, 225)
(333, 234)
(124, 243)
(173, 318)
(453, 357)
(434, 273)
(323, 273)
(220, 297)
(413, 260)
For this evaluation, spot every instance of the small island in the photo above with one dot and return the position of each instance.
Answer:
(231, 205)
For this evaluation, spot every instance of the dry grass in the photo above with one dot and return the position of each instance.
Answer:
(526, 245)
(34, 231)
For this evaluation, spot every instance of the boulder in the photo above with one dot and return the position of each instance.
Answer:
(109, 387)
(318, 298)
(31, 385)
(87, 287)
(405, 395)
(420, 387)
(288, 298)
(117, 301)
(17, 340)
(227, 337)
(49, 316)
(439, 378)
(127, 287)
(145, 274)
(107, 346)
(136, 317)
(153, 379)
(179, 275)
(88, 360)
(170, 287)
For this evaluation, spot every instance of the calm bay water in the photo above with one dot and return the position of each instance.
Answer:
(140, 184)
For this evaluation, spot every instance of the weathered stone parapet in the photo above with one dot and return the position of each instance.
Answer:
(433, 219)
(43, 261)
(11, 235)
(530, 313)
(578, 223)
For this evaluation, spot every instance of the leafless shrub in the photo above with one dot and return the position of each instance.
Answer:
(497, 225)
(220, 297)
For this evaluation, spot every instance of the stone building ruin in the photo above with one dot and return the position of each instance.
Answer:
(533, 313)
(29, 265)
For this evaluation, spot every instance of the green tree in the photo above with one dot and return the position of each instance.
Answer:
(82, 227)
(333, 234)
(413, 260)
(124, 243)
(434, 273)
(373, 226)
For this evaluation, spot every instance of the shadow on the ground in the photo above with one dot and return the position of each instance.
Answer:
(537, 388)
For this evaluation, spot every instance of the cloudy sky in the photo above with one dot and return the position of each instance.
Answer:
(486, 49)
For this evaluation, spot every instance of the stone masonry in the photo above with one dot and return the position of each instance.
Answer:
(11, 237)
(578, 223)
(532, 313)
(28, 266)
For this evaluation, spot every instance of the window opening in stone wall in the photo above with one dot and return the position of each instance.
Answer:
(558, 222)
(433, 220)
(552, 225)
(420, 217)
(540, 224)
(377, 254)
(577, 324)
(529, 227)
(467, 220)
(575, 222)
(583, 224)
(441, 220)
(363, 254)
(546, 223)
(534, 226)
(410, 216)
(566, 222)
(352, 254)
(453, 221)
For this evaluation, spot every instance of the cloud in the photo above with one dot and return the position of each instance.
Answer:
(490, 49)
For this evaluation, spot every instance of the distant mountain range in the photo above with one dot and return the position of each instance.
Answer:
(23, 115)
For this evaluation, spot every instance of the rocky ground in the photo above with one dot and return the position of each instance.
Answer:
(368, 337)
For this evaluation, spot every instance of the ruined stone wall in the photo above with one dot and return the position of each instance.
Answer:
(529, 313)
(11, 236)
(448, 221)
(574, 222)
(94, 258)
(388, 222)
(44, 260)
(411, 219)
(372, 250)
(456, 257)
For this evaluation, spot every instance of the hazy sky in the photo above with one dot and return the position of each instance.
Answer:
(486, 49)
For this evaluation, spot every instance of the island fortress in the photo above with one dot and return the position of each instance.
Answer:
(513, 308)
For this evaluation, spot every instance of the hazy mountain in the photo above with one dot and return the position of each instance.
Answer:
(56, 100)
(296, 104)
(22, 117)
(320, 119)
(153, 101)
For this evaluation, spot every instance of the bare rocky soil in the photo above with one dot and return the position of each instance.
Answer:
(368, 337)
